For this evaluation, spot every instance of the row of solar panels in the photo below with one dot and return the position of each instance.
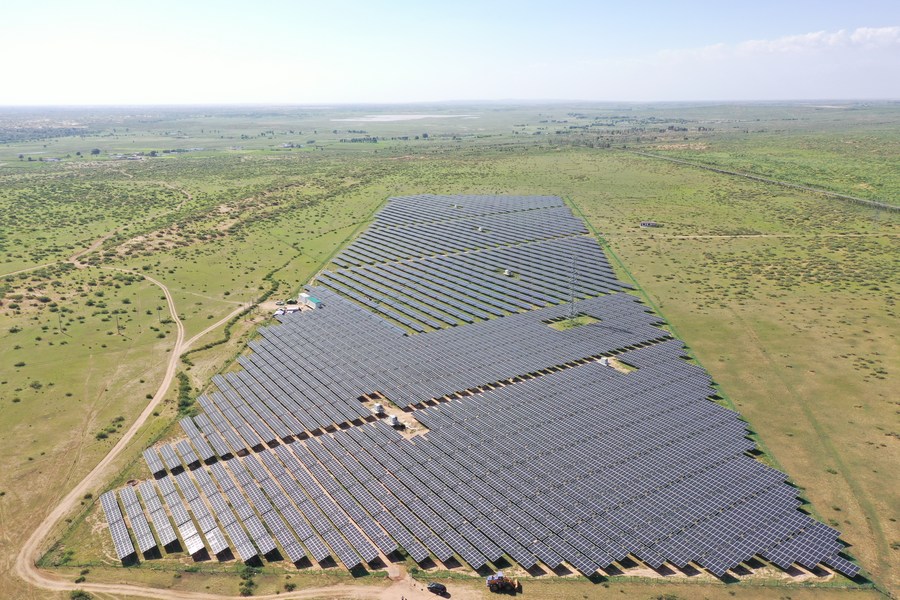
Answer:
(415, 368)
(447, 291)
(690, 366)
(310, 327)
(412, 244)
(625, 494)
(256, 424)
(399, 243)
(428, 207)
(117, 528)
(463, 454)
(304, 520)
(754, 463)
(468, 551)
(189, 493)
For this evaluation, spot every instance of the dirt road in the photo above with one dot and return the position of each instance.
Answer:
(31, 550)
(94, 245)
(187, 195)
(72, 259)
(27, 269)
(25, 561)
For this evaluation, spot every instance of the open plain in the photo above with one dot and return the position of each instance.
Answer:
(199, 219)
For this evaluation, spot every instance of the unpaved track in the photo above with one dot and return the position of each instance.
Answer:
(30, 552)
(72, 259)
(827, 448)
(25, 561)
(96, 244)
(27, 269)
(221, 321)
(187, 195)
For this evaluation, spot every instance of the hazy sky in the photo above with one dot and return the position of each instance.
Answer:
(197, 51)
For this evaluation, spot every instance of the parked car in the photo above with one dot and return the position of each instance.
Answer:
(437, 588)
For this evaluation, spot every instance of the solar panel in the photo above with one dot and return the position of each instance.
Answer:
(117, 528)
(138, 521)
(216, 540)
(154, 463)
(187, 453)
(534, 444)
(169, 457)
(193, 543)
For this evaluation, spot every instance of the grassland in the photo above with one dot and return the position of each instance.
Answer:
(848, 149)
(786, 297)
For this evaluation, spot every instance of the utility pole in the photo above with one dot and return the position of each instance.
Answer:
(117, 325)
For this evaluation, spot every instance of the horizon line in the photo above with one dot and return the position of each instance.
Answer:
(510, 101)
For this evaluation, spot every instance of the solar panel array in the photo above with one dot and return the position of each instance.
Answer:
(445, 291)
(117, 528)
(323, 360)
(425, 208)
(158, 516)
(139, 524)
(533, 449)
(388, 244)
(462, 259)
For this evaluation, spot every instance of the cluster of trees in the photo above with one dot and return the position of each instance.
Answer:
(374, 139)
(94, 152)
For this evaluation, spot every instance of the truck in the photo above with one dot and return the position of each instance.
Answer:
(498, 583)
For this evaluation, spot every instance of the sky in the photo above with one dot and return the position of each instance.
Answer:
(60, 52)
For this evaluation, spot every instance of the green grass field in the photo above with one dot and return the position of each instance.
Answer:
(786, 297)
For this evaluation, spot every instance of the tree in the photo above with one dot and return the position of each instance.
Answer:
(424, 136)
(95, 151)
(21, 157)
